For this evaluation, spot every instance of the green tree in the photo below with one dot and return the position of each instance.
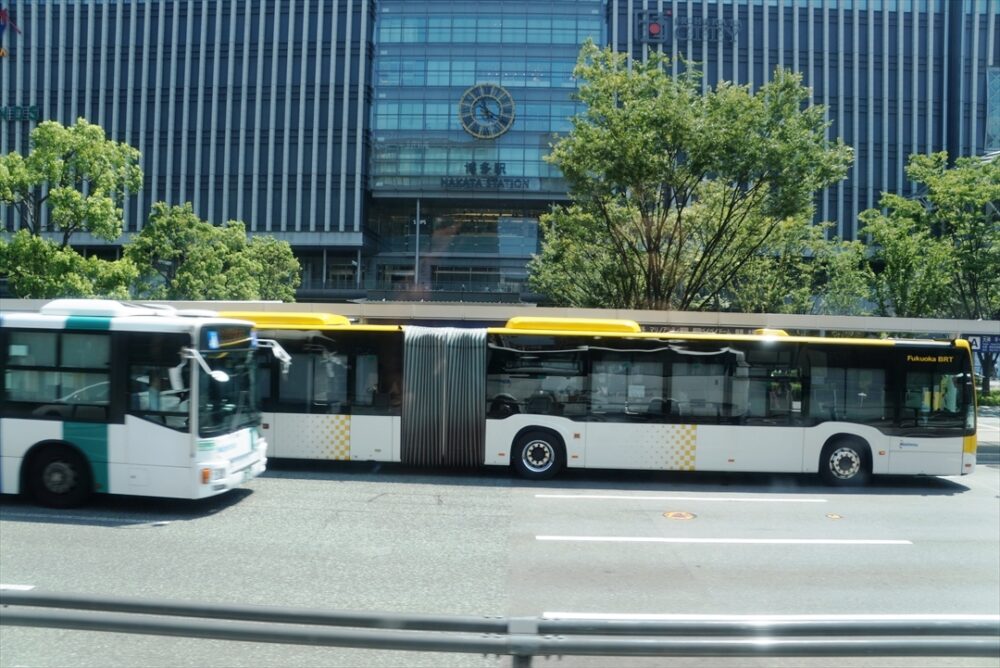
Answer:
(675, 193)
(912, 263)
(37, 268)
(181, 256)
(280, 273)
(951, 248)
(83, 178)
(80, 174)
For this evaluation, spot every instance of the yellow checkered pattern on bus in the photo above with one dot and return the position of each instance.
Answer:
(337, 437)
(682, 447)
(670, 447)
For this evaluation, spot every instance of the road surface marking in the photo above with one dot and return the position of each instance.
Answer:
(723, 541)
(12, 587)
(742, 499)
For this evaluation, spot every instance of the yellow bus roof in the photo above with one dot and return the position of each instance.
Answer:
(302, 321)
(589, 325)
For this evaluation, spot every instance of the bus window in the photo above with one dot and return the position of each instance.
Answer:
(531, 379)
(628, 385)
(937, 391)
(329, 381)
(700, 383)
(151, 395)
(849, 384)
(365, 379)
(767, 389)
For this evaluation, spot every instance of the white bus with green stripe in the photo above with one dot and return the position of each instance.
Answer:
(102, 396)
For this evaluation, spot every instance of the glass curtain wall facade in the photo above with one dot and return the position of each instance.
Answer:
(338, 124)
(467, 100)
(251, 111)
(896, 76)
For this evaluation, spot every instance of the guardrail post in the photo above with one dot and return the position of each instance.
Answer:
(523, 640)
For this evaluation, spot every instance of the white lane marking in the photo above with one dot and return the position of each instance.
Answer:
(651, 617)
(623, 497)
(723, 541)
(13, 587)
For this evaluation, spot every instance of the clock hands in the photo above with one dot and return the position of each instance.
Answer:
(485, 110)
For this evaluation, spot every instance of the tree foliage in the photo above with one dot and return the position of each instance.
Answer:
(677, 194)
(184, 257)
(80, 174)
(37, 268)
(939, 255)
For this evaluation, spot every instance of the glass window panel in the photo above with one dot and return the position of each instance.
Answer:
(515, 30)
(390, 29)
(86, 350)
(514, 153)
(563, 31)
(389, 71)
(488, 70)
(463, 74)
(488, 29)
(439, 29)
(438, 72)
(540, 30)
(413, 73)
(538, 73)
(588, 28)
(32, 349)
(25, 385)
(463, 30)
(414, 29)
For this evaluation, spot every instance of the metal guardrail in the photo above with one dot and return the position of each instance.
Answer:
(519, 637)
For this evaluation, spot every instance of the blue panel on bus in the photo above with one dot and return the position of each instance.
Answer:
(87, 322)
(92, 440)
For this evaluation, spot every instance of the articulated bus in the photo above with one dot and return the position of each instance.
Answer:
(541, 394)
(103, 396)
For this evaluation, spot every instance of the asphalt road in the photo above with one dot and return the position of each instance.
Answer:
(387, 538)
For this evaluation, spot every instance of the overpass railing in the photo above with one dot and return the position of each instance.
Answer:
(519, 637)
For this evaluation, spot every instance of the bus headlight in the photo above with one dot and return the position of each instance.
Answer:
(212, 474)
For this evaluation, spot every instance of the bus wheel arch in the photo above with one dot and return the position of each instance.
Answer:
(845, 460)
(56, 474)
(538, 453)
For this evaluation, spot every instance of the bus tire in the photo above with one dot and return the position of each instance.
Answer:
(845, 462)
(59, 477)
(539, 455)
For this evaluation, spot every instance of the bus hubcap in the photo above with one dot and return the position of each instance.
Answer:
(59, 477)
(537, 455)
(845, 463)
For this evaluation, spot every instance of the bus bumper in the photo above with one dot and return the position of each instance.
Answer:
(969, 445)
(218, 477)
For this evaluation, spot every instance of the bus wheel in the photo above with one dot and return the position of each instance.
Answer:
(58, 477)
(538, 455)
(845, 462)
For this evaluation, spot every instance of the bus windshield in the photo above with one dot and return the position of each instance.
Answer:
(225, 407)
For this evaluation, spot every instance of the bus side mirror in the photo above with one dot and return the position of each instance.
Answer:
(279, 353)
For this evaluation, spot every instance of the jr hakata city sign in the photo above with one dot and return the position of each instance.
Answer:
(658, 28)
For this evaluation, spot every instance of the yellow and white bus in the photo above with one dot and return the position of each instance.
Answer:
(101, 396)
(541, 394)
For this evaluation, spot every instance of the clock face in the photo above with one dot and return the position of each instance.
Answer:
(486, 111)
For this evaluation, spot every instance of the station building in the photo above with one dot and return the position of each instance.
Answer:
(398, 145)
